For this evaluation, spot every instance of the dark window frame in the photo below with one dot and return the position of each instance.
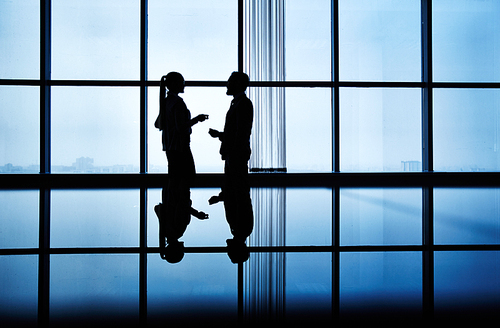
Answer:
(427, 179)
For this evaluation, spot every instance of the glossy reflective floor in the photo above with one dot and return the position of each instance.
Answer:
(99, 274)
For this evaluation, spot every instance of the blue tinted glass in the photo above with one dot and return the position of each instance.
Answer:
(19, 219)
(19, 290)
(466, 129)
(201, 285)
(466, 216)
(95, 130)
(308, 40)
(466, 284)
(20, 35)
(94, 218)
(308, 281)
(381, 284)
(380, 40)
(94, 289)
(196, 38)
(380, 129)
(19, 129)
(308, 217)
(374, 216)
(466, 40)
(154, 198)
(308, 130)
(95, 39)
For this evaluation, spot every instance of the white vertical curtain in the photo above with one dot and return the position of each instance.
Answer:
(265, 61)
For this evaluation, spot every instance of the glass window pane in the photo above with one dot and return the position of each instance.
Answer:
(157, 159)
(19, 290)
(94, 218)
(380, 129)
(153, 233)
(374, 216)
(466, 40)
(308, 217)
(20, 35)
(308, 40)
(95, 130)
(19, 129)
(200, 287)
(466, 216)
(211, 232)
(380, 40)
(211, 101)
(380, 285)
(308, 288)
(96, 39)
(308, 130)
(466, 286)
(19, 218)
(466, 129)
(94, 289)
(197, 38)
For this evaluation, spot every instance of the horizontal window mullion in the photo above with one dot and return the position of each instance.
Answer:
(289, 84)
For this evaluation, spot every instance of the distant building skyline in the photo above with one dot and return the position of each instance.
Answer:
(85, 164)
(81, 165)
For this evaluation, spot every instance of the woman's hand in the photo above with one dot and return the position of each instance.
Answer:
(201, 117)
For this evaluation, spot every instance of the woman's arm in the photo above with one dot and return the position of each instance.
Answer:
(199, 118)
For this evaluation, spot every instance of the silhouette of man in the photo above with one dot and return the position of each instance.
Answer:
(174, 119)
(235, 151)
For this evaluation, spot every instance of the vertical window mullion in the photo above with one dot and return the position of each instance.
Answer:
(336, 91)
(335, 161)
(144, 165)
(45, 64)
(143, 91)
(427, 163)
(44, 205)
(427, 151)
(239, 283)
(240, 35)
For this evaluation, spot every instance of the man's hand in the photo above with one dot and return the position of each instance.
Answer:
(214, 200)
(214, 133)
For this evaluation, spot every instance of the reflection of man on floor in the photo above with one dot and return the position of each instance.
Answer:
(235, 151)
